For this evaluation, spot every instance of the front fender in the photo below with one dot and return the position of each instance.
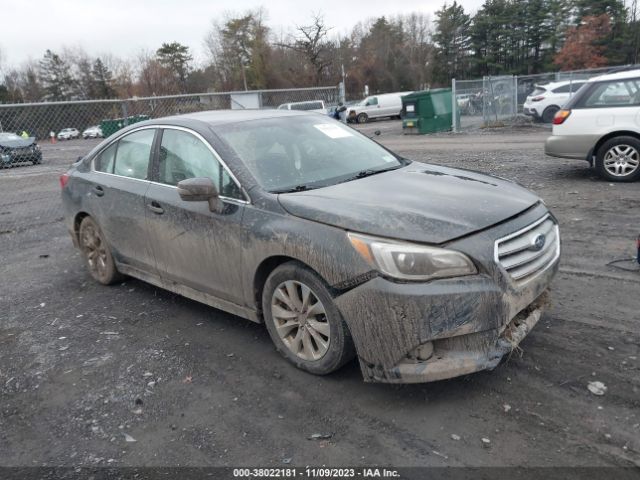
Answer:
(323, 248)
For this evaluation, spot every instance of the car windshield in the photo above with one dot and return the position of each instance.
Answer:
(303, 152)
(9, 136)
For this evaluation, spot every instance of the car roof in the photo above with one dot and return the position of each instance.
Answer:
(219, 117)
(305, 101)
(623, 75)
(560, 83)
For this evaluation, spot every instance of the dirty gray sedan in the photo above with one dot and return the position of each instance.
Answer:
(339, 246)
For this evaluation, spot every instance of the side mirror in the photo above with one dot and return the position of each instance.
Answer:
(200, 189)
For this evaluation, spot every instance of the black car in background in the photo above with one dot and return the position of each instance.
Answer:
(15, 149)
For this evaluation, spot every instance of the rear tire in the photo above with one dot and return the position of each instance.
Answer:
(549, 113)
(362, 118)
(618, 159)
(303, 322)
(97, 253)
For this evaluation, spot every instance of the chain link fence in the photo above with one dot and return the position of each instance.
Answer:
(496, 100)
(484, 102)
(27, 212)
(40, 119)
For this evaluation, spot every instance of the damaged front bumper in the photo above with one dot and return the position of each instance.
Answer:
(468, 324)
(452, 357)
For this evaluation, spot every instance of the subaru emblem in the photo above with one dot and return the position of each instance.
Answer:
(538, 242)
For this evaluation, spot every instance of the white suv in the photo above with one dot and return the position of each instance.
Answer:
(545, 100)
(601, 124)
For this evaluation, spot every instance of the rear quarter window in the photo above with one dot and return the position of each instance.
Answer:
(569, 88)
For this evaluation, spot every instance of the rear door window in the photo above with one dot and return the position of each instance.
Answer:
(134, 151)
(569, 88)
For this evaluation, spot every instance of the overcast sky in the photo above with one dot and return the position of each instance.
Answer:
(124, 27)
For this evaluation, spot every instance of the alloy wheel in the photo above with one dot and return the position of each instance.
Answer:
(621, 160)
(301, 320)
(95, 251)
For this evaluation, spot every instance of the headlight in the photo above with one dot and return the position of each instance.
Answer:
(409, 261)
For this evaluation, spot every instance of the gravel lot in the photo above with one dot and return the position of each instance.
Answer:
(85, 369)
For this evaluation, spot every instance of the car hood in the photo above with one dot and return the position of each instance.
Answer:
(20, 143)
(420, 203)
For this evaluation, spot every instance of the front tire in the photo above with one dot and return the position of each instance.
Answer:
(303, 322)
(618, 159)
(362, 118)
(97, 253)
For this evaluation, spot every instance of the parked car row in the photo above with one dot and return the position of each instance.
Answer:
(73, 133)
(387, 105)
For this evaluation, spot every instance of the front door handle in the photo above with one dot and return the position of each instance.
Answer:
(155, 208)
(98, 190)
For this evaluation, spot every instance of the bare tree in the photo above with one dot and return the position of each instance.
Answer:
(154, 78)
(312, 42)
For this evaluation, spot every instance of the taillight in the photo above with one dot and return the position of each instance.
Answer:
(561, 116)
(64, 178)
(537, 99)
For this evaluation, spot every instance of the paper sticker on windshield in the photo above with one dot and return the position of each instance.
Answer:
(333, 131)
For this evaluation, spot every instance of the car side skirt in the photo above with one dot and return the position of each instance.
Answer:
(190, 293)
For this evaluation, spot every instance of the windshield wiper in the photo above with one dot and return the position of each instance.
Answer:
(297, 188)
(371, 171)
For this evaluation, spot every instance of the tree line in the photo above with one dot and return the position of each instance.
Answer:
(405, 52)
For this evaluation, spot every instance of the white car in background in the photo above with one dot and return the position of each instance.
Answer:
(601, 124)
(545, 100)
(93, 132)
(377, 106)
(68, 134)
(308, 106)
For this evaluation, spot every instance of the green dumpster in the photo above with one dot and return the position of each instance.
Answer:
(427, 111)
(111, 126)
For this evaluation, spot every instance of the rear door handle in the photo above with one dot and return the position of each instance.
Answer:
(155, 207)
(98, 190)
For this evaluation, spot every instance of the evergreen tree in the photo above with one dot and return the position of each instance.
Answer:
(102, 81)
(56, 77)
(176, 58)
(452, 42)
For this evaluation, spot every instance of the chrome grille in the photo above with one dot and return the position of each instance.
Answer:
(529, 251)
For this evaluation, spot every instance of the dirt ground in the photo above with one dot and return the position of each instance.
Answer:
(87, 369)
